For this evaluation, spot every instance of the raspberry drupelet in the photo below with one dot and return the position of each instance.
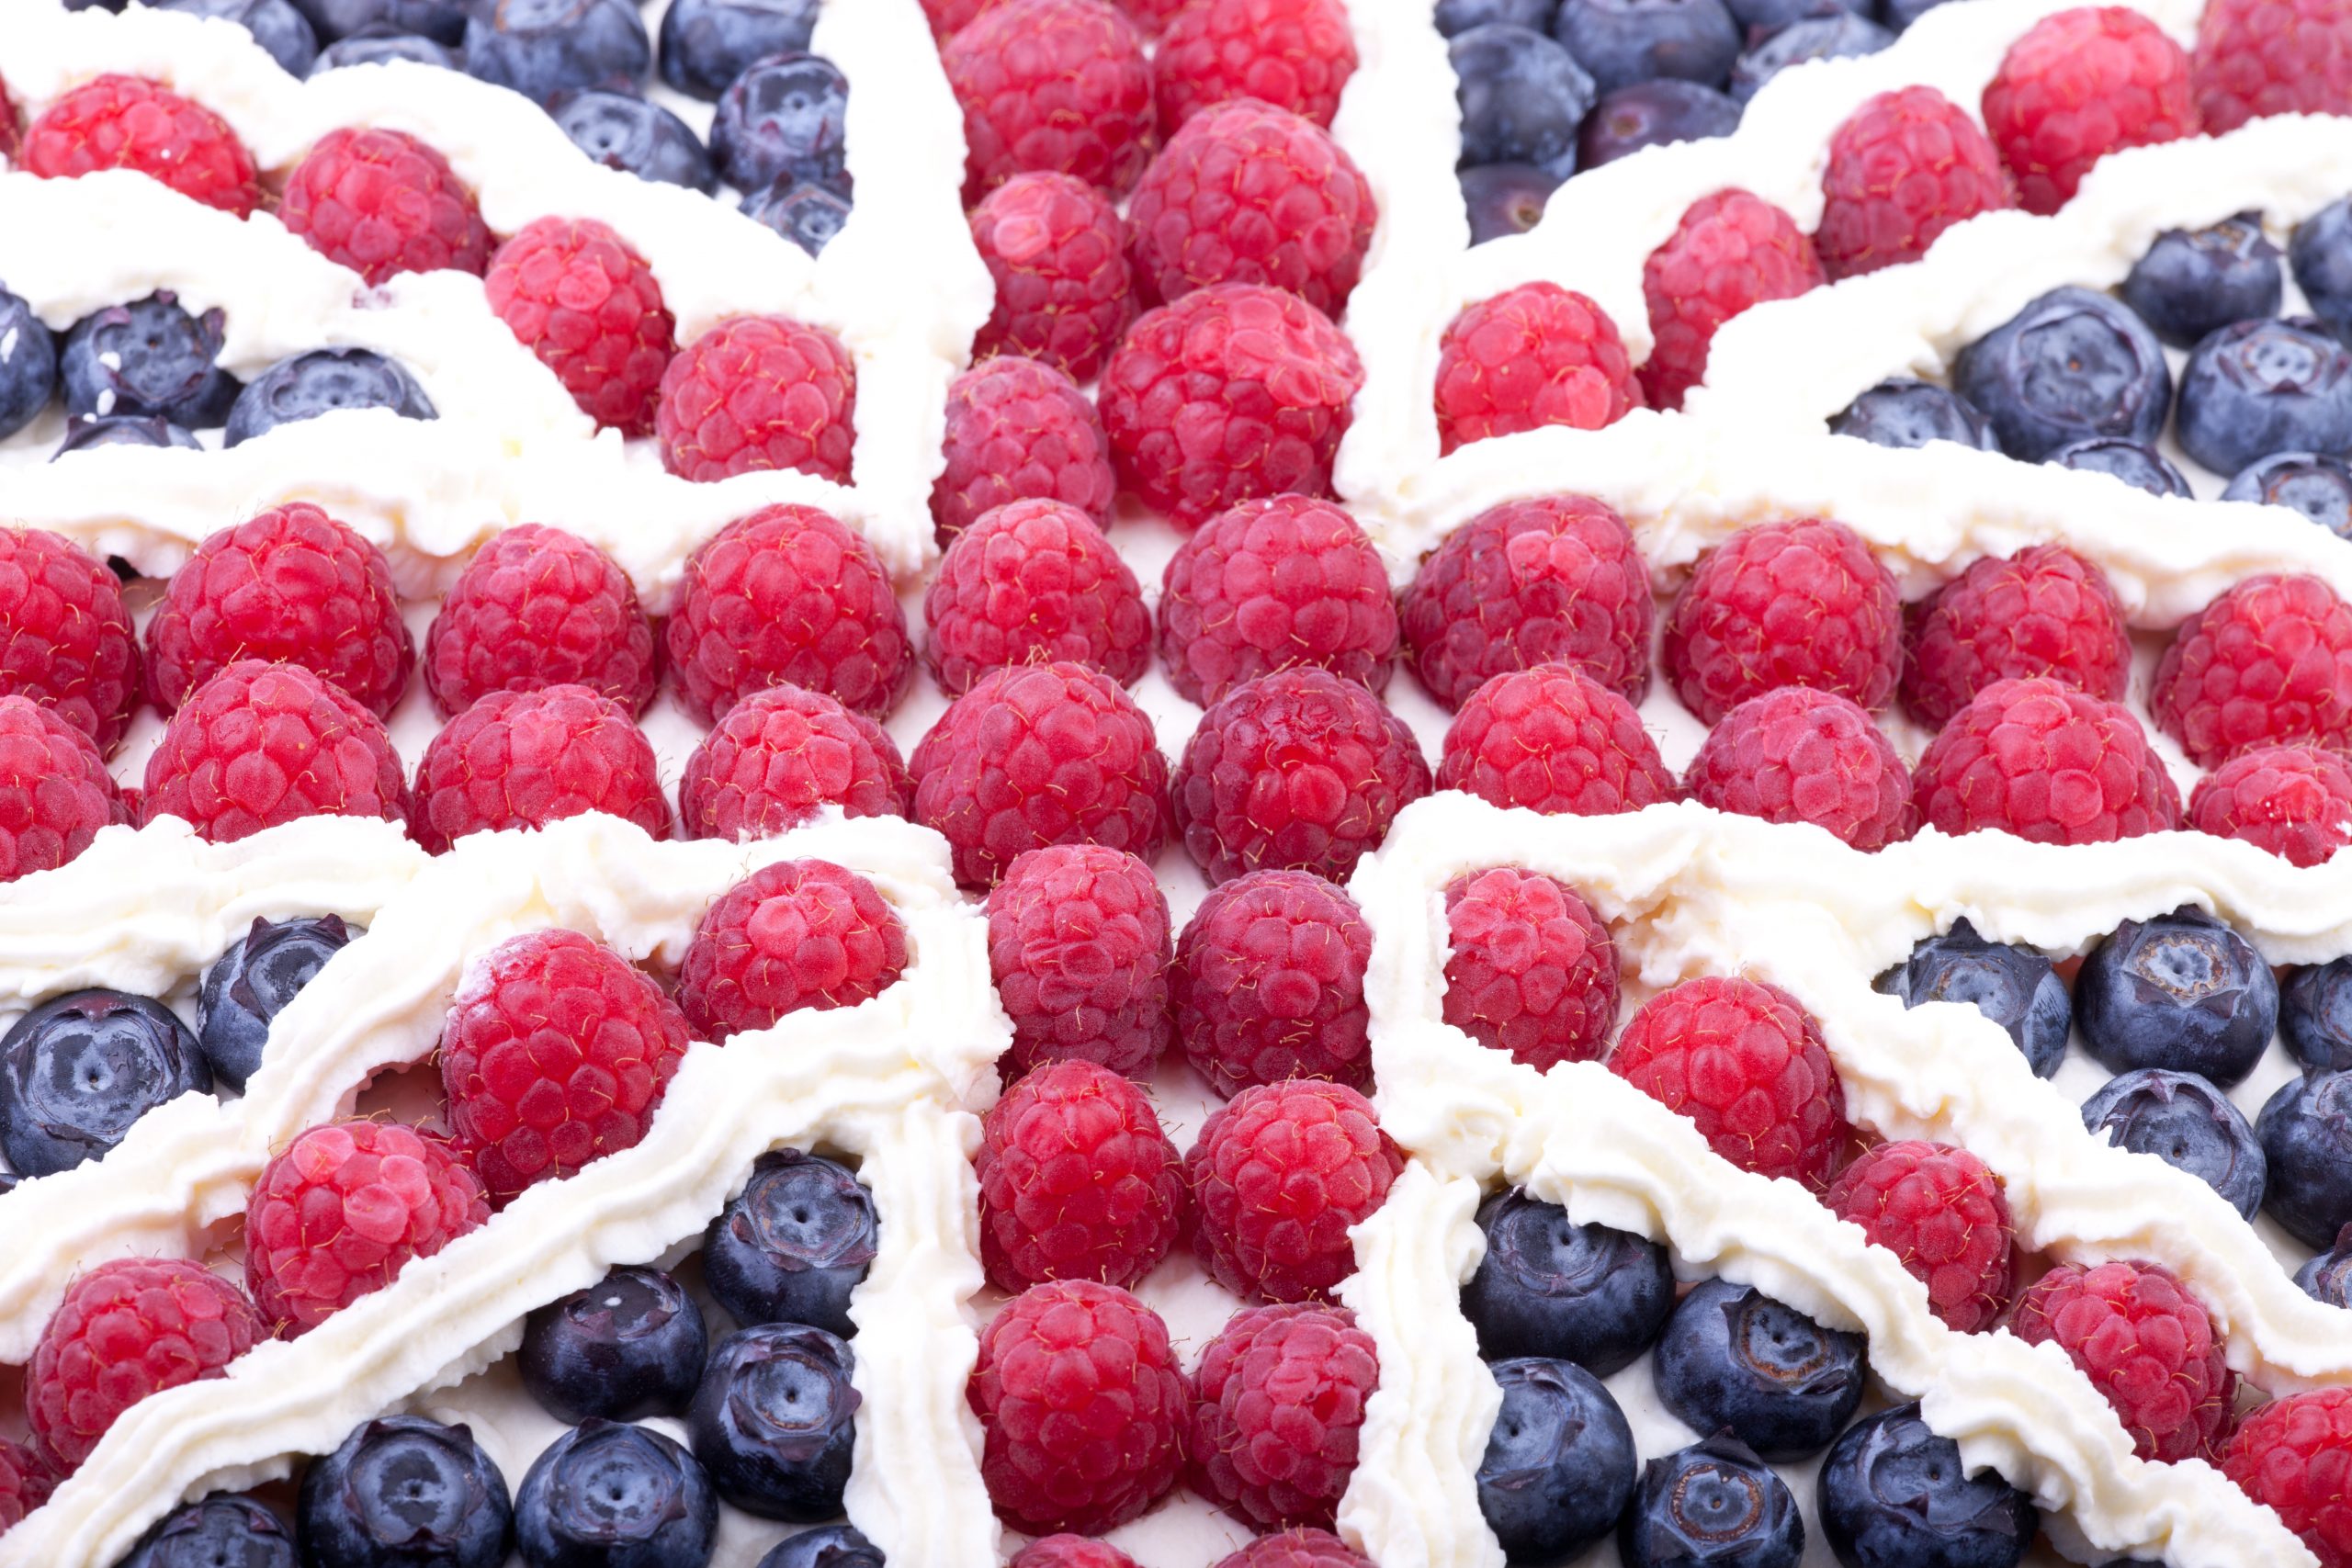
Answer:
(127, 122)
(1530, 970)
(527, 758)
(1020, 430)
(1940, 1210)
(2291, 1456)
(382, 202)
(1303, 1548)
(1077, 1180)
(793, 934)
(2293, 801)
(534, 607)
(1268, 984)
(576, 294)
(70, 645)
(262, 744)
(1294, 54)
(2077, 85)
(1732, 250)
(1032, 581)
(2044, 611)
(2268, 663)
(1051, 84)
(55, 792)
(2264, 57)
(1280, 1174)
(2047, 762)
(1796, 604)
(1902, 168)
(1552, 738)
(1530, 356)
(1058, 250)
(1794, 754)
(1071, 1551)
(2147, 1344)
(1080, 949)
(26, 1482)
(756, 393)
(1277, 1405)
(778, 755)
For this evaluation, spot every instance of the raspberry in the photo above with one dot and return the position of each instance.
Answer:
(291, 584)
(262, 744)
(539, 607)
(1745, 1064)
(555, 1053)
(756, 393)
(1232, 391)
(2266, 57)
(1902, 168)
(947, 16)
(1077, 1180)
(793, 934)
(2294, 801)
(127, 122)
(1732, 250)
(2146, 1344)
(70, 644)
(25, 1483)
(1058, 250)
(1056, 85)
(2047, 762)
(1942, 1212)
(1798, 755)
(56, 793)
(1282, 581)
(382, 202)
(1552, 740)
(2077, 85)
(1294, 54)
(1296, 1548)
(1297, 770)
(1020, 430)
(1040, 754)
(126, 1330)
(1277, 1405)
(2294, 1455)
(1071, 1551)
(2268, 663)
(778, 755)
(527, 758)
(1248, 193)
(1530, 356)
(787, 595)
(575, 293)
(1079, 947)
(342, 1209)
(1029, 582)
(1799, 604)
(8, 142)
(1081, 1407)
(1280, 1174)
(1269, 984)
(2044, 611)
(1528, 970)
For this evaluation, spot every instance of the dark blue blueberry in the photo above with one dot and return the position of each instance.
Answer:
(1732, 1359)
(2318, 486)
(1756, 19)
(1714, 1505)
(542, 48)
(251, 983)
(1840, 35)
(79, 1069)
(2182, 991)
(1505, 199)
(369, 47)
(9, 1182)
(834, 1546)
(403, 1490)
(807, 215)
(609, 1496)
(1559, 1462)
(2074, 363)
(1894, 1494)
(2009, 983)
(146, 357)
(793, 1245)
(1901, 411)
(2134, 462)
(774, 1420)
(281, 30)
(1626, 41)
(782, 116)
(628, 1347)
(2315, 1014)
(1454, 17)
(2306, 1132)
(1523, 97)
(1899, 14)
(706, 45)
(2259, 387)
(2194, 280)
(304, 385)
(1651, 114)
(27, 365)
(2327, 1276)
(1550, 1287)
(123, 430)
(2185, 1121)
(621, 130)
(215, 1532)
(2321, 254)
(441, 21)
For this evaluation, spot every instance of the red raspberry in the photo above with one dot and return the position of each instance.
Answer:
(56, 793)
(1298, 770)
(947, 16)
(1296, 1548)
(9, 141)
(343, 1210)
(555, 1053)
(2294, 801)
(1058, 250)
(793, 934)
(127, 122)
(1058, 84)
(527, 758)
(1078, 946)
(1081, 1407)
(2077, 85)
(1071, 1551)
(1269, 984)
(539, 607)
(2294, 1455)
(1902, 168)
(2047, 762)
(1530, 356)
(1029, 582)
(1798, 755)
(1282, 581)
(1732, 250)
(1277, 1406)
(2266, 57)
(1077, 1179)
(575, 293)
(1942, 1211)
(1040, 754)
(788, 594)
(261, 744)
(382, 202)
(1294, 54)
(2268, 663)
(1530, 969)
(1552, 738)
(292, 585)
(2044, 611)
(2147, 1344)
(1280, 1174)
(1020, 430)
(70, 644)
(756, 393)
(1745, 1064)
(25, 1483)
(778, 755)
(1799, 604)
(1231, 392)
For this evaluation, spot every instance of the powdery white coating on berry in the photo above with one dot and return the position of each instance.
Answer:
(1940, 1210)
(259, 744)
(778, 756)
(1269, 984)
(2078, 86)
(1032, 581)
(1277, 1403)
(127, 122)
(70, 642)
(1020, 429)
(527, 758)
(538, 606)
(1056, 85)
(2038, 758)
(2044, 611)
(1294, 54)
(793, 934)
(1796, 604)
(2268, 57)
(1077, 1180)
(1530, 970)
(1732, 251)
(2146, 1344)
(576, 294)
(1904, 167)
(55, 792)
(1534, 356)
(2270, 662)
(1280, 1174)
(383, 202)
(758, 392)
(2293, 801)
(1057, 250)
(1079, 947)
(1552, 738)
(1795, 754)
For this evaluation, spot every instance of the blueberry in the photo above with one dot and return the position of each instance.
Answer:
(609, 1496)
(834, 1546)
(1758, 18)
(283, 32)
(1900, 411)
(2259, 388)
(1899, 14)
(2315, 1014)
(1714, 1505)
(1505, 199)
(251, 983)
(123, 430)
(2188, 1124)
(1549, 1287)
(2327, 1276)
(147, 357)
(1523, 97)
(2306, 1132)
(2181, 991)
(2136, 463)
(215, 1532)
(782, 116)
(304, 385)
(79, 1069)
(628, 1347)
(1651, 114)
(369, 47)
(623, 131)
(1894, 1494)
(2321, 254)
(793, 1245)
(27, 365)
(1456, 16)
(441, 21)
(807, 215)
(773, 1419)
(408, 1491)
(2318, 486)
(2010, 983)
(1734, 1359)
(2074, 363)
(9, 1182)
(1626, 41)
(706, 45)
(541, 48)
(1559, 1462)
(1839, 35)
(2193, 280)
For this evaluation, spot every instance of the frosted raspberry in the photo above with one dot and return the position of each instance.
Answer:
(1071, 1551)
(1277, 1406)
(1799, 603)
(1031, 581)
(576, 294)
(1530, 356)
(527, 758)
(756, 393)
(1058, 250)
(2047, 762)
(1269, 984)
(262, 744)
(1942, 1211)
(2293, 801)
(26, 1481)
(1732, 250)
(127, 122)
(1077, 1180)
(382, 202)
(1798, 755)
(1020, 430)
(1280, 1175)
(2294, 1456)
(539, 607)
(2077, 85)
(2266, 57)
(793, 934)
(1530, 970)
(2044, 611)
(778, 755)
(56, 793)
(1902, 168)
(70, 644)
(1078, 946)
(1281, 581)
(1552, 738)
(2268, 663)
(1296, 1548)
(1058, 84)
(1294, 54)
(2147, 1344)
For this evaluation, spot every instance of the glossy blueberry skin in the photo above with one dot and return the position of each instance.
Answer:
(1549, 1287)
(829, 1546)
(609, 1496)
(1626, 41)
(630, 1345)
(284, 32)
(123, 430)
(793, 1245)
(1903, 413)
(2318, 486)
(27, 365)
(78, 1070)
(2256, 389)
(542, 48)
(1734, 1359)
(1454, 17)
(2181, 991)
(304, 385)
(2187, 1122)
(251, 983)
(441, 21)
(372, 48)
(1840, 35)
(2074, 363)
(706, 45)
(2321, 254)
(2192, 281)
(1505, 199)
(147, 357)
(621, 130)
(2327, 1276)
(1894, 1494)
(215, 1532)
(1560, 1460)
(1651, 114)
(774, 1420)
(404, 1490)
(2315, 1014)
(2012, 985)
(2306, 1132)
(1523, 97)
(782, 116)
(2135, 463)
(807, 215)
(1714, 1505)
